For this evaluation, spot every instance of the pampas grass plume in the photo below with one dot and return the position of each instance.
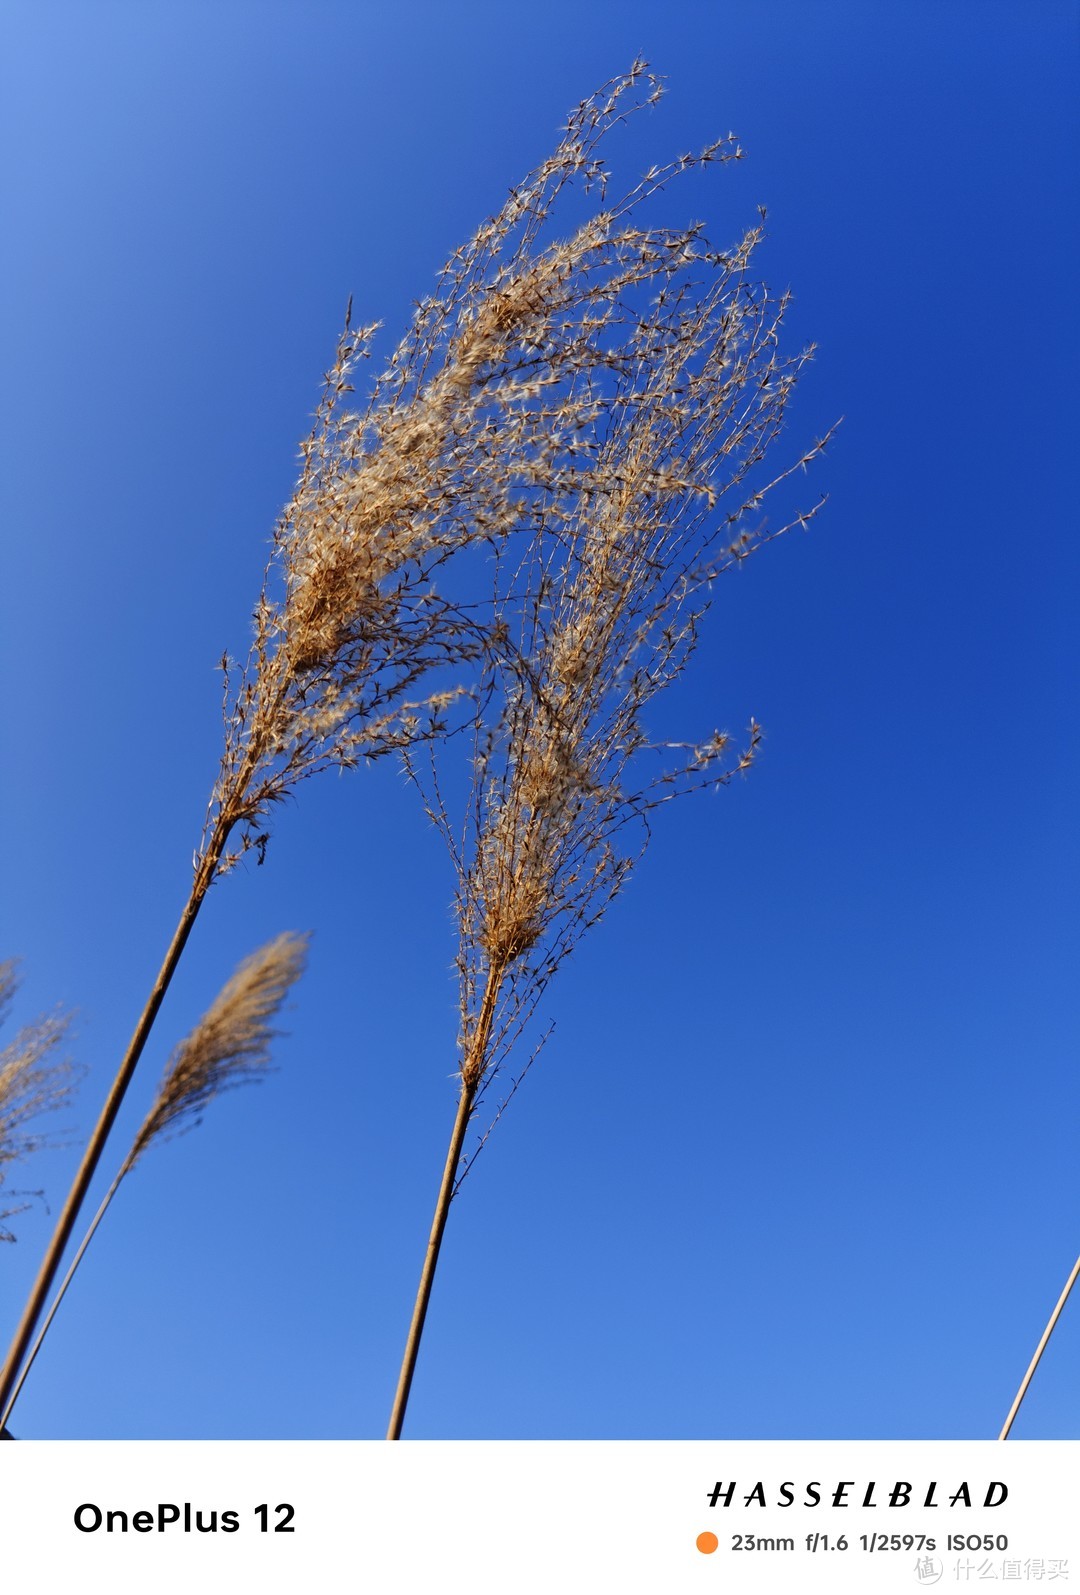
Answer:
(230, 1045)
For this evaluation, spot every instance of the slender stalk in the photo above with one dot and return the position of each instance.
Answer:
(5, 1416)
(1039, 1349)
(471, 1075)
(431, 1258)
(77, 1195)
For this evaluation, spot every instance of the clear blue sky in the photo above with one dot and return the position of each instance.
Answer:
(800, 1159)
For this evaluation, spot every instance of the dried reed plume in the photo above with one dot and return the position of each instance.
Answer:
(600, 614)
(33, 1081)
(495, 403)
(229, 1047)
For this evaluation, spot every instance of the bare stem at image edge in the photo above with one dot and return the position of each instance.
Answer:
(1039, 1349)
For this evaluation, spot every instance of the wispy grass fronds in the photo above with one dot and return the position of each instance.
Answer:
(34, 1081)
(229, 1047)
(670, 435)
(494, 412)
(567, 752)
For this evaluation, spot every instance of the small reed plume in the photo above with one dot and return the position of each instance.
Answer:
(495, 400)
(229, 1047)
(598, 617)
(34, 1081)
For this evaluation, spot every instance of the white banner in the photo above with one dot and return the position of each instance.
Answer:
(557, 1517)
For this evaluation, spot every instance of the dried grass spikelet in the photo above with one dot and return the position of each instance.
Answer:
(493, 408)
(33, 1081)
(230, 1045)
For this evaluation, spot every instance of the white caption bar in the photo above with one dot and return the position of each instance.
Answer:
(553, 1517)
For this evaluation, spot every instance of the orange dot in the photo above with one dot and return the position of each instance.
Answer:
(707, 1543)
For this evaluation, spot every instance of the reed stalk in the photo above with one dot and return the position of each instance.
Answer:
(1039, 1349)
(462, 1116)
(470, 1081)
(25, 1367)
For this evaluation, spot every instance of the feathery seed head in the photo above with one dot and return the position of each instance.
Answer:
(494, 416)
(230, 1046)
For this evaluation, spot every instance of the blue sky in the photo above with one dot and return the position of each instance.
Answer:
(799, 1159)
